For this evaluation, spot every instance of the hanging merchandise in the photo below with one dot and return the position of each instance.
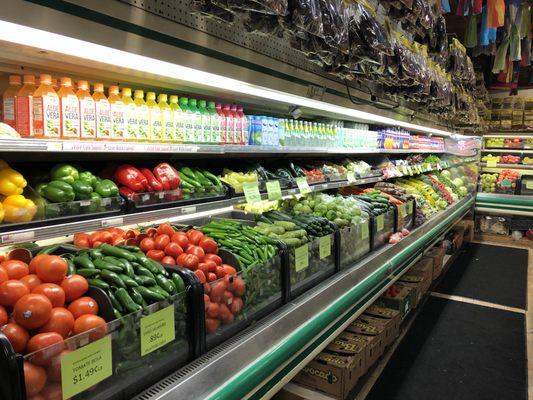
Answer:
(487, 35)
(496, 13)
(471, 32)
(445, 5)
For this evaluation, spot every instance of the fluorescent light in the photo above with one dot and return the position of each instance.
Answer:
(24, 35)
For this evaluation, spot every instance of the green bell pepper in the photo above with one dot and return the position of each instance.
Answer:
(64, 172)
(40, 188)
(82, 190)
(106, 188)
(59, 192)
(95, 203)
(88, 177)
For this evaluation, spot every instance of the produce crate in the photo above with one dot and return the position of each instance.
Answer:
(353, 243)
(381, 228)
(114, 353)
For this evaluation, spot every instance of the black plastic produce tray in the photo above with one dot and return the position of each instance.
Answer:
(352, 244)
(380, 237)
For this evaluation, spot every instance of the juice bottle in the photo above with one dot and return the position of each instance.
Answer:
(223, 123)
(206, 122)
(131, 116)
(179, 119)
(196, 118)
(9, 101)
(245, 125)
(87, 111)
(167, 119)
(24, 106)
(230, 124)
(70, 110)
(103, 113)
(46, 110)
(118, 113)
(143, 117)
(155, 123)
(188, 120)
(216, 122)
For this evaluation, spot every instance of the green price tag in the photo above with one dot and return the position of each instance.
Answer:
(273, 190)
(157, 329)
(364, 231)
(351, 177)
(529, 184)
(85, 367)
(324, 246)
(506, 183)
(251, 192)
(301, 257)
(492, 163)
(380, 220)
(410, 207)
(303, 185)
(401, 211)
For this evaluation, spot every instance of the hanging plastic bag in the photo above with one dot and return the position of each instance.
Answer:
(305, 16)
(216, 10)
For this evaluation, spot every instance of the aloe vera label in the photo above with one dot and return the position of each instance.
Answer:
(117, 120)
(156, 124)
(70, 110)
(215, 128)
(103, 119)
(168, 126)
(88, 118)
(132, 122)
(46, 116)
(144, 123)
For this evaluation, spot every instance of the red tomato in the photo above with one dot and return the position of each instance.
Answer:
(3, 316)
(61, 321)
(96, 244)
(52, 269)
(54, 369)
(220, 272)
(224, 314)
(211, 325)
(45, 340)
(165, 229)
(211, 277)
(173, 249)
(197, 251)
(213, 257)
(194, 236)
(32, 311)
(11, 291)
(239, 286)
(3, 275)
(204, 268)
(17, 336)
(227, 297)
(55, 293)
(151, 232)
(74, 286)
(161, 242)
(52, 391)
(207, 301)
(31, 281)
(15, 269)
(211, 266)
(236, 306)
(207, 288)
(82, 240)
(83, 305)
(168, 260)
(212, 310)
(36, 261)
(147, 244)
(156, 255)
(34, 378)
(200, 275)
(209, 245)
(229, 270)
(93, 323)
(188, 261)
(217, 291)
(36, 397)
(180, 238)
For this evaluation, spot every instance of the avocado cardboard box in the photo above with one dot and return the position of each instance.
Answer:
(417, 284)
(334, 373)
(437, 254)
(403, 301)
(373, 336)
(344, 344)
(386, 317)
(423, 268)
(468, 225)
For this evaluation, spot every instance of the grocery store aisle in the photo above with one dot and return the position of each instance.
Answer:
(469, 341)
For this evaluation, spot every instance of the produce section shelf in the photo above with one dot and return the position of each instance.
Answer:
(265, 357)
(509, 166)
(507, 204)
(496, 150)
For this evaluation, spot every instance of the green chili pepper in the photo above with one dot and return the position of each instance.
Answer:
(109, 250)
(112, 278)
(150, 295)
(137, 297)
(125, 299)
(83, 261)
(104, 265)
(98, 283)
(130, 282)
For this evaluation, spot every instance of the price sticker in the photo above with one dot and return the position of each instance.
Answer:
(17, 237)
(188, 210)
(157, 330)
(401, 211)
(324, 246)
(506, 183)
(251, 192)
(303, 185)
(492, 163)
(107, 223)
(161, 195)
(410, 207)
(301, 257)
(439, 167)
(86, 367)
(380, 221)
(350, 176)
(273, 190)
(364, 231)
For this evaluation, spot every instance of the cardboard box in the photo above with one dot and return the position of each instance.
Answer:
(388, 317)
(423, 268)
(332, 373)
(469, 228)
(457, 238)
(370, 336)
(402, 302)
(389, 332)
(417, 284)
(437, 254)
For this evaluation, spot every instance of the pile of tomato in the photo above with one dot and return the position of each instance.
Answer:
(40, 306)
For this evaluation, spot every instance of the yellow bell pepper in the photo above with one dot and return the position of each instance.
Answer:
(11, 182)
(17, 208)
(1, 213)
(3, 164)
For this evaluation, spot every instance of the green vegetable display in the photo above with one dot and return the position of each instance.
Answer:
(58, 192)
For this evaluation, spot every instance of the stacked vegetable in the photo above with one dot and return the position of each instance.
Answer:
(447, 194)
(196, 182)
(163, 177)
(430, 201)
(488, 182)
(237, 179)
(286, 231)
(370, 200)
(14, 206)
(41, 304)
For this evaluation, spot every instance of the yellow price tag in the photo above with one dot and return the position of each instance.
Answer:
(364, 231)
(303, 185)
(380, 221)
(251, 192)
(401, 211)
(529, 185)
(324, 246)
(274, 190)
(410, 207)
(85, 367)
(492, 163)
(301, 257)
(157, 330)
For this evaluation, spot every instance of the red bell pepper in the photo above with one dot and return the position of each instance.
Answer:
(153, 183)
(129, 176)
(126, 192)
(168, 176)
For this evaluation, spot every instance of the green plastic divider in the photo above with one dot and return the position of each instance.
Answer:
(255, 374)
(505, 201)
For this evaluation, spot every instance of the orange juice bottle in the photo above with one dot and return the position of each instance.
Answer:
(70, 110)
(103, 113)
(24, 108)
(118, 117)
(46, 110)
(87, 111)
(9, 104)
